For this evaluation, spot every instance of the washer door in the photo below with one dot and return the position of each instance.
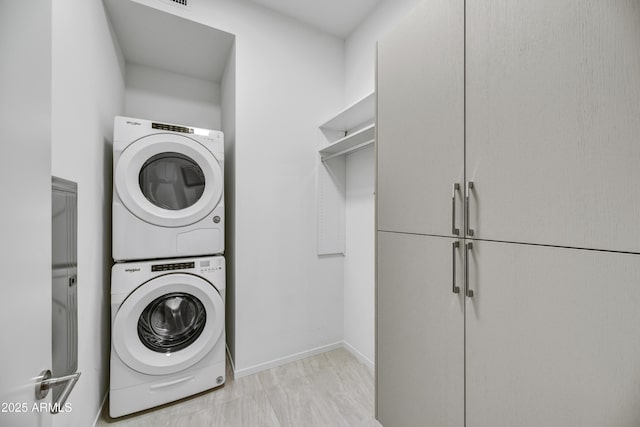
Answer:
(168, 324)
(168, 180)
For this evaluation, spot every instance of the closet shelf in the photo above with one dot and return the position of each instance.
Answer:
(351, 129)
(359, 112)
(349, 143)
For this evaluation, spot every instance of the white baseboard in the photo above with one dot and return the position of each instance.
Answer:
(104, 400)
(361, 357)
(288, 359)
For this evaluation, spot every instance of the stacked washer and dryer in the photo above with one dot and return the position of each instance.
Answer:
(168, 282)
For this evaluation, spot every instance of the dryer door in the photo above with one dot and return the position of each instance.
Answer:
(168, 324)
(168, 180)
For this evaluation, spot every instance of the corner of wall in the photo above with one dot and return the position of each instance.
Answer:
(228, 112)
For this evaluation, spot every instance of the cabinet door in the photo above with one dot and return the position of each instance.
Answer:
(552, 337)
(553, 101)
(420, 120)
(420, 332)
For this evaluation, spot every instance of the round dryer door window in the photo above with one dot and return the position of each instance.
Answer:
(168, 180)
(168, 324)
(171, 181)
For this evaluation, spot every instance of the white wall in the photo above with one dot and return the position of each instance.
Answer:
(359, 261)
(360, 46)
(155, 94)
(88, 90)
(289, 77)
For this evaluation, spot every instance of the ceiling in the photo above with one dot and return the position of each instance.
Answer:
(337, 17)
(150, 37)
(144, 37)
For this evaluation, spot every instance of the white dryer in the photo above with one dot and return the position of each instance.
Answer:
(168, 190)
(167, 331)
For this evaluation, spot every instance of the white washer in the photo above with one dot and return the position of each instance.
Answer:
(167, 331)
(168, 190)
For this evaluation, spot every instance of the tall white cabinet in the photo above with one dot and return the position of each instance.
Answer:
(552, 337)
(420, 332)
(508, 250)
(553, 121)
(420, 107)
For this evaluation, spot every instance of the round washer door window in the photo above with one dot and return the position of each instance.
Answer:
(168, 180)
(168, 324)
(171, 322)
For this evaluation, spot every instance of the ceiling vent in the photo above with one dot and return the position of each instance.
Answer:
(180, 2)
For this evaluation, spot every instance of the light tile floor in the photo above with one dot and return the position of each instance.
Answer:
(332, 389)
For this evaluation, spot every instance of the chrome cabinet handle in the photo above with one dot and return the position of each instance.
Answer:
(44, 383)
(454, 246)
(468, 292)
(454, 230)
(470, 231)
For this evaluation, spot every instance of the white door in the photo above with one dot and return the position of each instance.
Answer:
(420, 121)
(552, 337)
(553, 92)
(420, 331)
(25, 217)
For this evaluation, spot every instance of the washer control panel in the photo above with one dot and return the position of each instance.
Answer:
(174, 266)
(210, 265)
